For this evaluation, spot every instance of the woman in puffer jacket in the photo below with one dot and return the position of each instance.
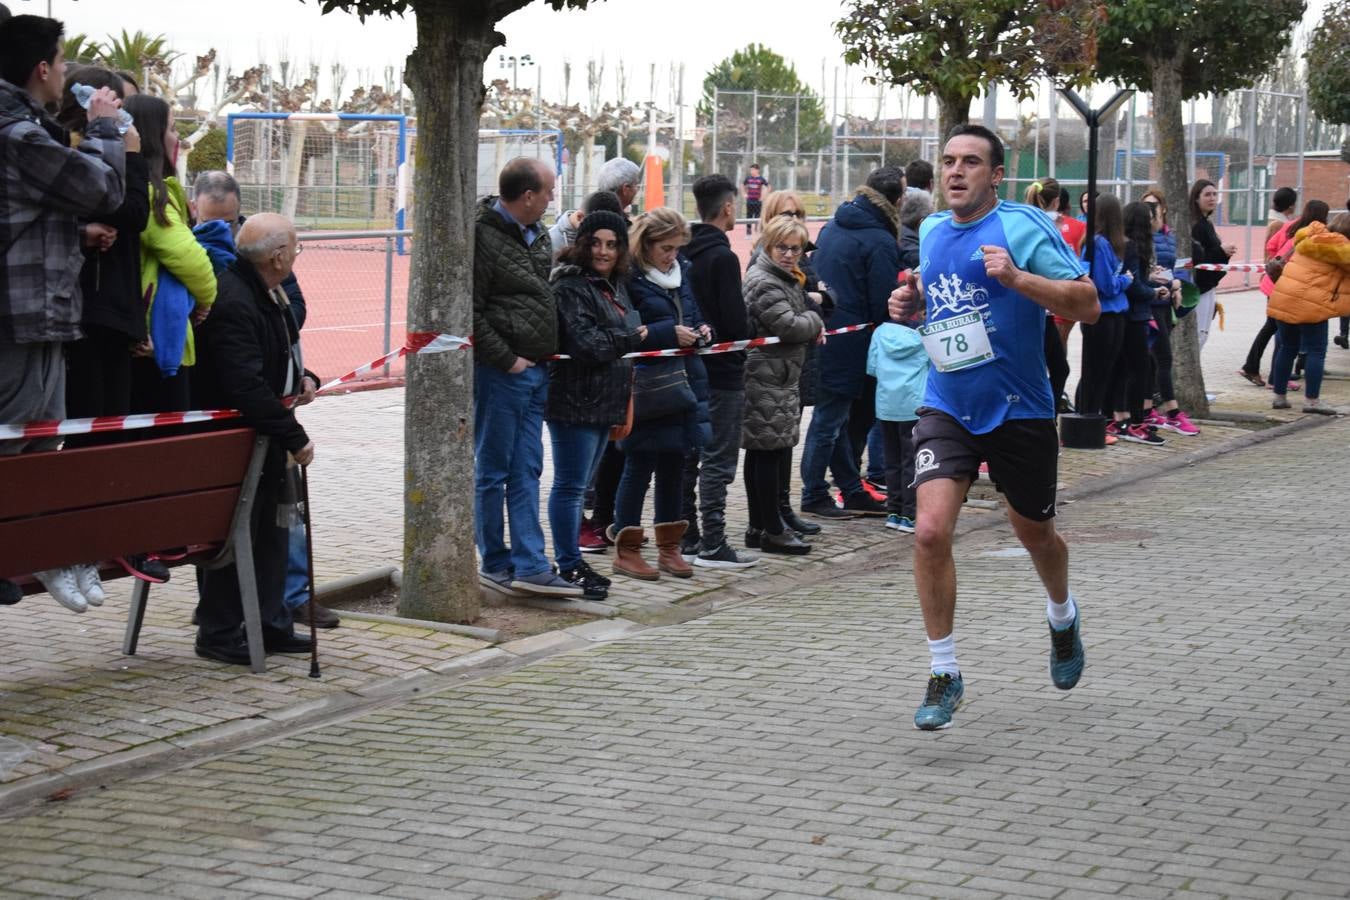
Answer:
(775, 300)
(659, 289)
(589, 392)
(1311, 289)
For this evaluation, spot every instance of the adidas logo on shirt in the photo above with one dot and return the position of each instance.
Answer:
(977, 256)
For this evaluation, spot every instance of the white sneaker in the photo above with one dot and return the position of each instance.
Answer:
(63, 587)
(87, 578)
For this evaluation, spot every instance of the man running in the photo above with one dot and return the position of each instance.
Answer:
(988, 270)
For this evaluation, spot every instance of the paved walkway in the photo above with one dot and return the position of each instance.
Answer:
(72, 702)
(766, 751)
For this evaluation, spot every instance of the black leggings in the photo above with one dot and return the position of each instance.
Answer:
(1160, 382)
(1258, 349)
(1130, 375)
(1102, 345)
(1056, 360)
(764, 474)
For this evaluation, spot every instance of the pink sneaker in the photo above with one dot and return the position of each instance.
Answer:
(1155, 419)
(1116, 429)
(591, 539)
(1179, 424)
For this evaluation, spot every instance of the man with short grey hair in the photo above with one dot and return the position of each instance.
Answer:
(622, 177)
(215, 195)
(246, 361)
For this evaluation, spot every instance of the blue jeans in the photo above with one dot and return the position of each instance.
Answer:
(576, 453)
(638, 469)
(1310, 340)
(876, 455)
(297, 569)
(823, 447)
(508, 426)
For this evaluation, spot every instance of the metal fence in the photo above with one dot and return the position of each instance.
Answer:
(356, 298)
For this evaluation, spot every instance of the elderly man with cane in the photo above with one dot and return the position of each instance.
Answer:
(248, 359)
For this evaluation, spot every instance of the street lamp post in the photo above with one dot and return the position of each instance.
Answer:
(514, 62)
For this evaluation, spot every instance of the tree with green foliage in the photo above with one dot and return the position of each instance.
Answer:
(788, 118)
(130, 52)
(445, 71)
(80, 50)
(1328, 57)
(1177, 50)
(955, 49)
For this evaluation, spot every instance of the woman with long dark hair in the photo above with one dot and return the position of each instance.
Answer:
(1206, 248)
(98, 365)
(1104, 339)
(588, 393)
(1130, 377)
(1169, 416)
(178, 284)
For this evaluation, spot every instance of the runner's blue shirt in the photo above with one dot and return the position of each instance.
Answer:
(1015, 383)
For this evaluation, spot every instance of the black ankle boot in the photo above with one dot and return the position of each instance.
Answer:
(752, 536)
(796, 523)
(787, 543)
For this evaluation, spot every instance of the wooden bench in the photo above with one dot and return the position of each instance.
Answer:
(94, 504)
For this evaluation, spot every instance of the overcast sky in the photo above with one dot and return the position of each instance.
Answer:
(698, 33)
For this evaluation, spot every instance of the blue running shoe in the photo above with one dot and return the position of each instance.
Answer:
(1066, 655)
(900, 523)
(941, 700)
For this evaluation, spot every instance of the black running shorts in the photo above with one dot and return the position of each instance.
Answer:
(1023, 457)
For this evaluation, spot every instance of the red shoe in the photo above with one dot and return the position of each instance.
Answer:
(592, 538)
(875, 492)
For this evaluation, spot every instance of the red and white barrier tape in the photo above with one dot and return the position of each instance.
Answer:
(1221, 267)
(62, 427)
(417, 342)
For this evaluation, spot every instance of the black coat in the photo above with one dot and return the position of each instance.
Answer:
(244, 356)
(681, 432)
(1206, 248)
(593, 387)
(715, 277)
(110, 281)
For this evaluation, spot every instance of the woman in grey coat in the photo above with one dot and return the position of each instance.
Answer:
(776, 302)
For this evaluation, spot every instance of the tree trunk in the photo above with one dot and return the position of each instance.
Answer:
(1170, 137)
(445, 70)
(293, 176)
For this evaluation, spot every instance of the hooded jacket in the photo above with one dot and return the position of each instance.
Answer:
(858, 257)
(1314, 286)
(45, 188)
(715, 277)
(174, 248)
(593, 387)
(899, 363)
(778, 308)
(513, 310)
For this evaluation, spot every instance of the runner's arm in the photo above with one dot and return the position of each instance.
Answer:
(1073, 300)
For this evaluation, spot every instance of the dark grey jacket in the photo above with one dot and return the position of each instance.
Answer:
(778, 307)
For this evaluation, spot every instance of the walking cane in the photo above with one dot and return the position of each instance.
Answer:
(309, 553)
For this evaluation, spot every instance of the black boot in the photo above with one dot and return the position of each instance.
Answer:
(787, 542)
(752, 537)
(796, 523)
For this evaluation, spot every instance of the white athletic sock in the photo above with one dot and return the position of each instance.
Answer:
(943, 653)
(1061, 615)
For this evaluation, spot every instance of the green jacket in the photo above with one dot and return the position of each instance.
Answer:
(513, 310)
(175, 247)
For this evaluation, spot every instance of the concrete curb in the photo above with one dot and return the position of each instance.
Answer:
(491, 635)
(356, 587)
(186, 750)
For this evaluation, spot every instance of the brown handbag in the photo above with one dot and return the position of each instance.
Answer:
(619, 432)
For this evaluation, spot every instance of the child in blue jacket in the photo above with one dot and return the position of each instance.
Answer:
(897, 360)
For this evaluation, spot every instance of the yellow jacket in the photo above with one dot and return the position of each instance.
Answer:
(174, 247)
(1313, 287)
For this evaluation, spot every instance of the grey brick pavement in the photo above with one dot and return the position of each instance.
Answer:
(766, 750)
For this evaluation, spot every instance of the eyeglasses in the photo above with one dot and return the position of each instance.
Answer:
(299, 248)
(796, 214)
(786, 250)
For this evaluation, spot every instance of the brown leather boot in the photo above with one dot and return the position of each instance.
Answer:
(628, 559)
(668, 558)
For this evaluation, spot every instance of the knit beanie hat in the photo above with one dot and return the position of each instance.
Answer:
(602, 219)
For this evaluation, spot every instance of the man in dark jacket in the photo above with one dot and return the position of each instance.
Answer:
(245, 361)
(715, 276)
(858, 257)
(515, 323)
